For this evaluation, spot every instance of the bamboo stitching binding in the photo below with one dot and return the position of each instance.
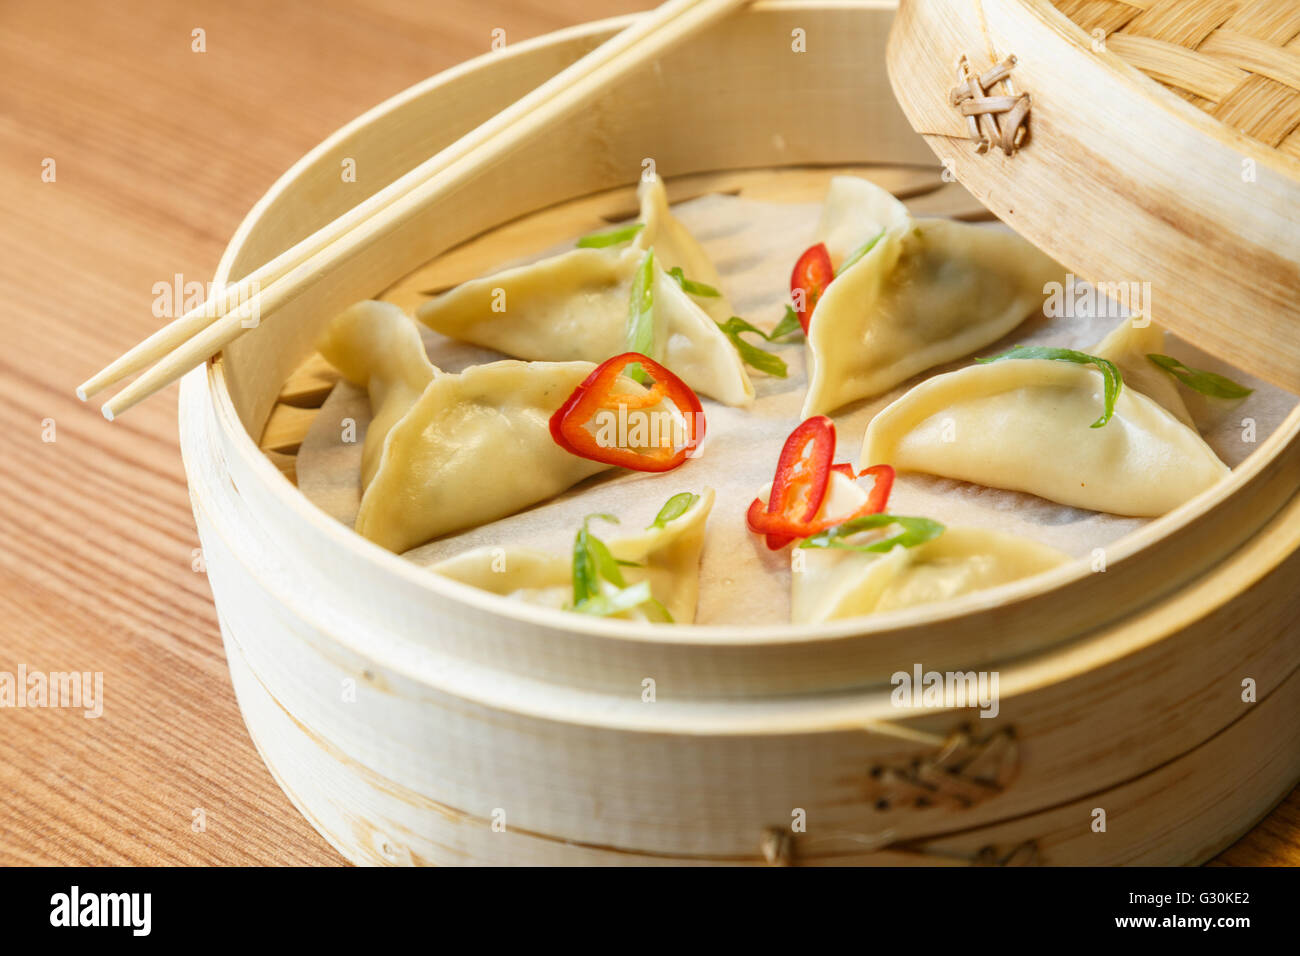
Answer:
(972, 100)
(962, 772)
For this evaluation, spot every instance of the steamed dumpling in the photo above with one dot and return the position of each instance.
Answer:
(574, 306)
(377, 346)
(1023, 424)
(475, 447)
(1128, 346)
(856, 210)
(668, 557)
(675, 247)
(929, 291)
(838, 583)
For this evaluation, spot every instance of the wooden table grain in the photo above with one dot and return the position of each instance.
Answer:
(127, 158)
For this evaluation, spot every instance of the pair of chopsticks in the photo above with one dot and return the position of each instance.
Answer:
(202, 332)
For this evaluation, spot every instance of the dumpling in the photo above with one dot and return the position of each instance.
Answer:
(1128, 346)
(571, 307)
(854, 211)
(676, 248)
(475, 447)
(1023, 424)
(839, 583)
(668, 557)
(929, 291)
(574, 306)
(377, 346)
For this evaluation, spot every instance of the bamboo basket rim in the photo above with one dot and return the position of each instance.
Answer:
(216, 391)
(1156, 93)
(867, 708)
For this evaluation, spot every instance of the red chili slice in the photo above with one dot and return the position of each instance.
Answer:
(812, 274)
(802, 474)
(599, 392)
(784, 529)
(883, 476)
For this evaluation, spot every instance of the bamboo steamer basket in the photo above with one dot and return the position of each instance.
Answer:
(416, 720)
(1164, 147)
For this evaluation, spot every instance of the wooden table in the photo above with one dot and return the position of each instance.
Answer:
(158, 151)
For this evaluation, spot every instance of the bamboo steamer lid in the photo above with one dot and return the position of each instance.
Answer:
(1151, 146)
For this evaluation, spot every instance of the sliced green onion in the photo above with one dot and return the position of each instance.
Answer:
(788, 325)
(606, 566)
(692, 287)
(640, 315)
(601, 240)
(860, 251)
(658, 605)
(624, 599)
(1207, 383)
(751, 354)
(674, 508)
(1109, 370)
(592, 560)
(915, 531)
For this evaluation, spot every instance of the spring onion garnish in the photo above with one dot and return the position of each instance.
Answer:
(674, 508)
(915, 531)
(640, 314)
(751, 354)
(859, 252)
(788, 325)
(1207, 383)
(1109, 371)
(592, 561)
(691, 286)
(601, 240)
(624, 599)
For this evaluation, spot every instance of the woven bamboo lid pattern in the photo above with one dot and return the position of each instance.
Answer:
(1239, 60)
(1150, 146)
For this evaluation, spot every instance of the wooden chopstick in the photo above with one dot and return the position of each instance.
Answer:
(202, 332)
